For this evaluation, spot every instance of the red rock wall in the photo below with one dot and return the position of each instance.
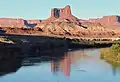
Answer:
(64, 12)
(107, 20)
(9, 22)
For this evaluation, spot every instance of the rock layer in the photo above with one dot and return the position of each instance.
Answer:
(107, 20)
(9, 22)
(61, 13)
(62, 22)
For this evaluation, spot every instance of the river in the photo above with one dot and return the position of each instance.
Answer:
(82, 65)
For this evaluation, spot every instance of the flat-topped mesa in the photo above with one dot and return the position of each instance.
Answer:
(111, 20)
(107, 20)
(10, 22)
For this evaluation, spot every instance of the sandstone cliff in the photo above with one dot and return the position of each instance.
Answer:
(62, 22)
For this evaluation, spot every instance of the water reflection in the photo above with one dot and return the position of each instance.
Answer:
(10, 60)
(64, 65)
(60, 60)
(115, 69)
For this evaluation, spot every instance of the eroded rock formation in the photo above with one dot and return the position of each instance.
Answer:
(63, 13)
(62, 22)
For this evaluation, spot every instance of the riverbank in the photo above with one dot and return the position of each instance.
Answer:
(53, 42)
(112, 54)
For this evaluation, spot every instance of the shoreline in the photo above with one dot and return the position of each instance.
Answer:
(41, 41)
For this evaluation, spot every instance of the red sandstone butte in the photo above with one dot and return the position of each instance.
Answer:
(63, 13)
(62, 22)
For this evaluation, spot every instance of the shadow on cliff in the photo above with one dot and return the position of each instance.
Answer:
(29, 25)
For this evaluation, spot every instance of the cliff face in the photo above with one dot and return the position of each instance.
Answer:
(17, 23)
(107, 20)
(58, 13)
(62, 22)
(9, 22)
(63, 13)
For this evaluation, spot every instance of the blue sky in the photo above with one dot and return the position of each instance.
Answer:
(40, 9)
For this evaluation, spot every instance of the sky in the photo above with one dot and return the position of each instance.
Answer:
(40, 9)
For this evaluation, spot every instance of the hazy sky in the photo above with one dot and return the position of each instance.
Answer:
(40, 9)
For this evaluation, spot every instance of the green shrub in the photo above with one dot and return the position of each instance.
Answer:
(112, 54)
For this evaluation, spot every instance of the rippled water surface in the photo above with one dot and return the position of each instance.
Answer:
(73, 66)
